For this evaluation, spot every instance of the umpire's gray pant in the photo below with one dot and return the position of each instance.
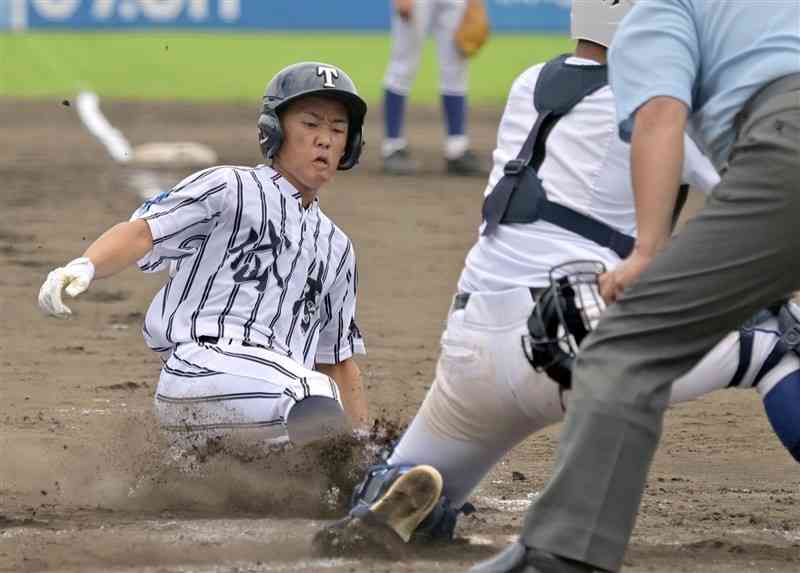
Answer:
(741, 253)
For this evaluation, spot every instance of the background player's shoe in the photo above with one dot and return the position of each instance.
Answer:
(399, 162)
(389, 522)
(516, 558)
(467, 164)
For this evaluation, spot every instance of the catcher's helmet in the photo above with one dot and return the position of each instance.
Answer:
(564, 314)
(306, 79)
(597, 20)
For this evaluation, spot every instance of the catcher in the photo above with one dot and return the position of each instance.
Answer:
(560, 191)
(255, 324)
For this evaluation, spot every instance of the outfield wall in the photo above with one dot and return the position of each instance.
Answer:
(345, 15)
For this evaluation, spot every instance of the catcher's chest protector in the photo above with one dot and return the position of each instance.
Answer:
(519, 196)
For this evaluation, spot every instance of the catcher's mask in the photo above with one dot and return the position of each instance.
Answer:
(307, 79)
(564, 313)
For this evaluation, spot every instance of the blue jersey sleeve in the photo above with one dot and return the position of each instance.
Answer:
(656, 52)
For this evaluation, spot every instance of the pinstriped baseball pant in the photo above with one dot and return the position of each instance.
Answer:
(738, 255)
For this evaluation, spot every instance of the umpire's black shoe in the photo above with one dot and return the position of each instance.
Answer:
(516, 558)
(467, 164)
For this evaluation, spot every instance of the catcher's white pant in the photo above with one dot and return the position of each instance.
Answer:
(441, 19)
(487, 398)
(240, 393)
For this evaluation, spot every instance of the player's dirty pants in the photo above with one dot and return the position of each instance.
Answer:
(739, 254)
(486, 397)
(243, 396)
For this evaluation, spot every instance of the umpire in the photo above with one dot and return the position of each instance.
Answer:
(729, 71)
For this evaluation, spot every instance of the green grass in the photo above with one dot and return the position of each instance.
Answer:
(235, 67)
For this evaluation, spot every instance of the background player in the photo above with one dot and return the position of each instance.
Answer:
(486, 398)
(262, 284)
(412, 20)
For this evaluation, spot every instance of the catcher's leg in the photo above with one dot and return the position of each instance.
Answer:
(485, 399)
(778, 379)
(782, 405)
(761, 354)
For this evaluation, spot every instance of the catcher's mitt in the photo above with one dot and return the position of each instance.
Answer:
(473, 30)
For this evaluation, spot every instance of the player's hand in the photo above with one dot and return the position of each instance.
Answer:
(613, 283)
(74, 278)
(404, 8)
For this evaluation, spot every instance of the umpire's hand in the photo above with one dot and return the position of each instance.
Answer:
(613, 283)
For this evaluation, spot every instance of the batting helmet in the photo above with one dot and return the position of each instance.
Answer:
(563, 315)
(597, 20)
(307, 79)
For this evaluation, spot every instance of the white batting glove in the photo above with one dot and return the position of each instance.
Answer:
(74, 278)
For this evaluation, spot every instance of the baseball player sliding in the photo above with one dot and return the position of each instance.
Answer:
(560, 191)
(256, 321)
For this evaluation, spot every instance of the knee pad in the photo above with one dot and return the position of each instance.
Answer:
(440, 524)
(315, 418)
(782, 405)
(788, 325)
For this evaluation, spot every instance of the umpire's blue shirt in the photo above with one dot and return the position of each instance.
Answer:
(710, 54)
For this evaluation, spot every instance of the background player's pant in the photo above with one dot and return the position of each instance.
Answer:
(441, 18)
(486, 397)
(739, 254)
(240, 395)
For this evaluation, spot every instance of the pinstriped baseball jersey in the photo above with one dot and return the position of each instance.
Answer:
(247, 262)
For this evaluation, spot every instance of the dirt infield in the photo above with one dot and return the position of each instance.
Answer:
(85, 484)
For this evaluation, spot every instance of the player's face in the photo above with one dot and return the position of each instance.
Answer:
(314, 139)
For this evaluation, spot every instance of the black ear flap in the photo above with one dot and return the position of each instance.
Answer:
(352, 152)
(270, 134)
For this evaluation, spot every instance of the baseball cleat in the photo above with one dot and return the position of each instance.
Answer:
(409, 500)
(400, 162)
(384, 527)
(468, 165)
